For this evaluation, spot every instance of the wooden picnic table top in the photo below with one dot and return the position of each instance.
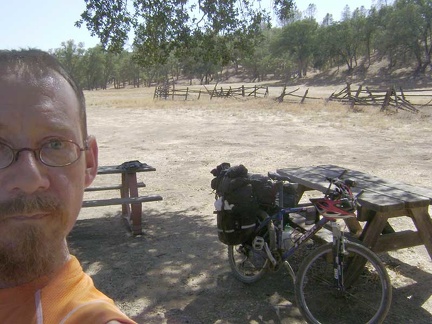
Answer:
(381, 199)
(379, 194)
(113, 169)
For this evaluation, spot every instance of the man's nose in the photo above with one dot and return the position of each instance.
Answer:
(34, 152)
(27, 173)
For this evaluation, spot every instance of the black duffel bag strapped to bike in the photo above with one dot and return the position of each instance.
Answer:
(239, 197)
(264, 191)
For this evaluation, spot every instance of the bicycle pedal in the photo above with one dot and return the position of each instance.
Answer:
(258, 243)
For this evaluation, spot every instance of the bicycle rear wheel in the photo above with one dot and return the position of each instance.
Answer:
(247, 264)
(366, 300)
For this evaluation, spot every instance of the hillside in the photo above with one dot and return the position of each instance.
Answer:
(377, 74)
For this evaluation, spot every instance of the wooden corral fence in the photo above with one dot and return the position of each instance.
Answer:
(365, 96)
(167, 91)
(255, 91)
(385, 99)
(292, 94)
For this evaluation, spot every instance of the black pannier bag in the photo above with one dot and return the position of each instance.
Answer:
(235, 228)
(290, 195)
(236, 218)
(264, 191)
(237, 225)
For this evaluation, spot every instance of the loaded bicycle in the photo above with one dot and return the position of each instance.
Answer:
(335, 282)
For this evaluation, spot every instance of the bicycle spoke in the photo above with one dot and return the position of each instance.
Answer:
(321, 301)
(247, 265)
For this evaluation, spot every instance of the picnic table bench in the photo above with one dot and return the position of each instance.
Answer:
(381, 200)
(129, 198)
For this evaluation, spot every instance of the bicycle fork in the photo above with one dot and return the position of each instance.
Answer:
(339, 253)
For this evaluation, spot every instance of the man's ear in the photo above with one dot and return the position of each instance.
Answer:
(91, 155)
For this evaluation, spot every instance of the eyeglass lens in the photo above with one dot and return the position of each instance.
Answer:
(53, 153)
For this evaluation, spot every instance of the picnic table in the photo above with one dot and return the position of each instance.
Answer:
(129, 198)
(381, 200)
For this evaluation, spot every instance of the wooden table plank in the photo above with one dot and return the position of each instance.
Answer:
(315, 179)
(113, 169)
(379, 194)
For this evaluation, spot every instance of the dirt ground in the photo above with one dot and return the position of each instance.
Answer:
(177, 271)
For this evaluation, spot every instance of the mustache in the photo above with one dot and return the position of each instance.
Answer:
(28, 204)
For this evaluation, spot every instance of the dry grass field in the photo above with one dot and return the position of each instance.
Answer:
(177, 271)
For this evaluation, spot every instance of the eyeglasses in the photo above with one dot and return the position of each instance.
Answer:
(54, 153)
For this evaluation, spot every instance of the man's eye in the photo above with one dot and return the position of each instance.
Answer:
(55, 145)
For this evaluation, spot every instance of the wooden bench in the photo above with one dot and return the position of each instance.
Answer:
(129, 199)
(115, 187)
(120, 201)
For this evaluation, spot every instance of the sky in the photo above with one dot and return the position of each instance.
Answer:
(45, 24)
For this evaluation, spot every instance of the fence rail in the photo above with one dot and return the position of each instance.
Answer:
(386, 98)
(365, 96)
(170, 92)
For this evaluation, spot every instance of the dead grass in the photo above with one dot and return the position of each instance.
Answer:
(177, 271)
(317, 111)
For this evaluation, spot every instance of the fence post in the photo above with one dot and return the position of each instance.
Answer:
(282, 95)
(402, 93)
(304, 97)
(396, 98)
(386, 100)
(243, 90)
(349, 91)
(355, 98)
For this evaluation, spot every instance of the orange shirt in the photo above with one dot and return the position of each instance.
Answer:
(70, 297)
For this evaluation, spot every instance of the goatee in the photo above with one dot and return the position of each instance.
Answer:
(30, 249)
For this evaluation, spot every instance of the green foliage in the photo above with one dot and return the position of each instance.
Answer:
(204, 40)
(162, 27)
(298, 39)
(405, 33)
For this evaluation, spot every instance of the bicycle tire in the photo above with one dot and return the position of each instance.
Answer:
(247, 264)
(367, 300)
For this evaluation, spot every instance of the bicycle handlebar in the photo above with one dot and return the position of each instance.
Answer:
(350, 183)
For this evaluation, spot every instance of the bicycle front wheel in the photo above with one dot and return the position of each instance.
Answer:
(366, 300)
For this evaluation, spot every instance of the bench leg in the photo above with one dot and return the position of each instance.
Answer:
(354, 226)
(373, 229)
(369, 236)
(124, 193)
(136, 209)
(135, 219)
(423, 223)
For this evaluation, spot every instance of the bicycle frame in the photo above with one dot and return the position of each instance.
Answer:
(330, 269)
(278, 219)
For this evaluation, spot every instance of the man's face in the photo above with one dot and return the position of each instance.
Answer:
(40, 204)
